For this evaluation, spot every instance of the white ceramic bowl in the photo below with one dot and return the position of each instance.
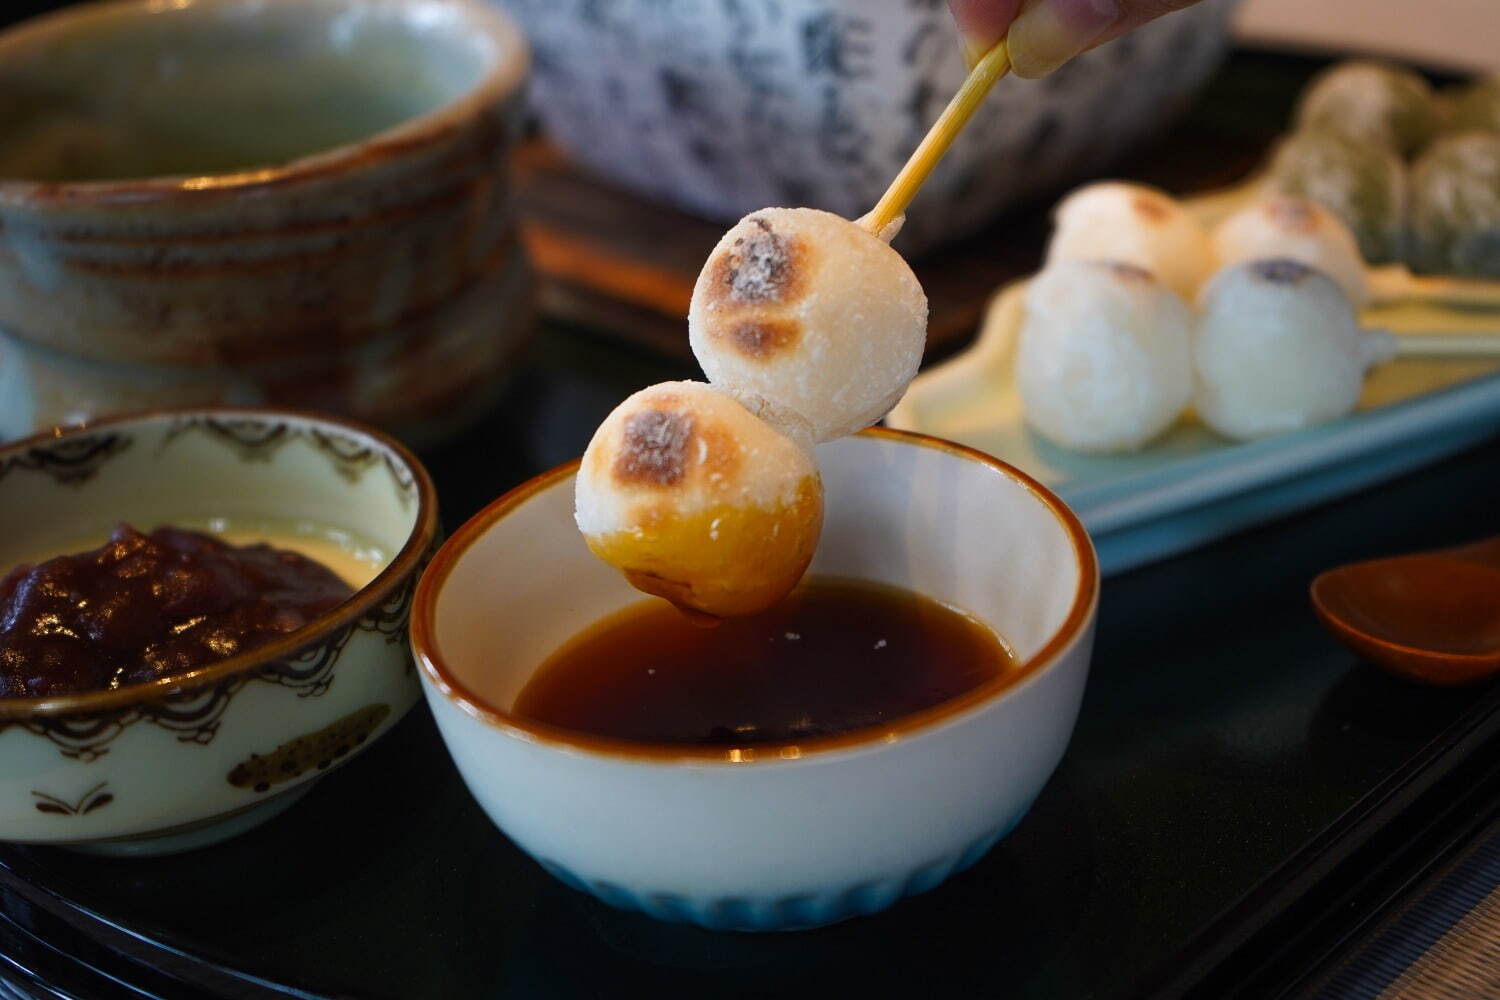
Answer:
(775, 836)
(723, 108)
(193, 758)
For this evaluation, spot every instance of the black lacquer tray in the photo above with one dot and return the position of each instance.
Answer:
(1240, 798)
(1239, 793)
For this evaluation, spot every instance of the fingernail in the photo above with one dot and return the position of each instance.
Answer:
(1049, 33)
(974, 51)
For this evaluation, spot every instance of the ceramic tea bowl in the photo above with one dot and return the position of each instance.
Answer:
(770, 836)
(724, 108)
(250, 188)
(195, 757)
(423, 381)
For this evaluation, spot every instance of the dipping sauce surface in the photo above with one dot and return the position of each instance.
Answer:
(835, 656)
(149, 606)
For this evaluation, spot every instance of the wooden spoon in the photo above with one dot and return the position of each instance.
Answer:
(1429, 616)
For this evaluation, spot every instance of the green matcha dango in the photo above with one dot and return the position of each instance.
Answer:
(1372, 102)
(1455, 207)
(1362, 184)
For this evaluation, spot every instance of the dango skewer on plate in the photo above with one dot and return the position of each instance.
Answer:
(1109, 355)
(1283, 226)
(809, 327)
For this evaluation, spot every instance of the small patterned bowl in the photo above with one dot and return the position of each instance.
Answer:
(192, 759)
(770, 837)
(722, 108)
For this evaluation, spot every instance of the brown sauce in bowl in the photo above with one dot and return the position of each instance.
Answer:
(147, 606)
(834, 656)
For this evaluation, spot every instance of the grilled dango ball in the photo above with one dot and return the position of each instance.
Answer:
(1298, 229)
(697, 500)
(809, 320)
(1132, 224)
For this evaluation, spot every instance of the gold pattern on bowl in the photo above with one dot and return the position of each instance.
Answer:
(315, 750)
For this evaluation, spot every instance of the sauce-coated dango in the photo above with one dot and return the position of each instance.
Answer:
(697, 500)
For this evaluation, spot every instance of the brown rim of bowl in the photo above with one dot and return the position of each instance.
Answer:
(372, 594)
(501, 82)
(429, 658)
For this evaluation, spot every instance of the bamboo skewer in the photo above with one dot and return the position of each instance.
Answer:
(892, 205)
(1455, 346)
(1396, 284)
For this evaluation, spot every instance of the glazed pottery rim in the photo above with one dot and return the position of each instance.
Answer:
(499, 82)
(402, 565)
(427, 648)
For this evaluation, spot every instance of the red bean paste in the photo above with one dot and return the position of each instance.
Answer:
(144, 607)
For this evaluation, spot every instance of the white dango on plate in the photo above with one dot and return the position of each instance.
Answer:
(1104, 360)
(1278, 348)
(1270, 360)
